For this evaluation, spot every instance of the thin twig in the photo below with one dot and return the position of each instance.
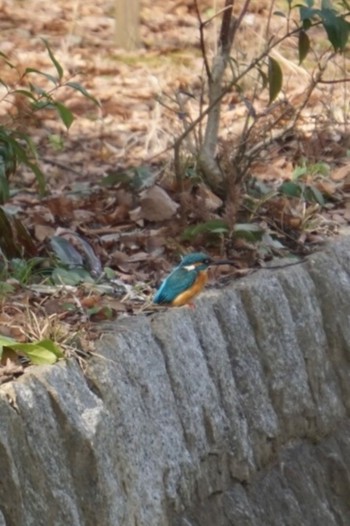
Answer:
(177, 143)
(202, 41)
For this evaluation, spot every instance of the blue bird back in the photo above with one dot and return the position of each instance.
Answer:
(177, 282)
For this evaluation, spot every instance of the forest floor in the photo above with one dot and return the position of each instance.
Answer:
(110, 178)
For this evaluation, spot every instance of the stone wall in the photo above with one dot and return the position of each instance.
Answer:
(232, 414)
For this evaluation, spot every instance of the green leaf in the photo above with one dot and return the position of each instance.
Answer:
(303, 45)
(109, 273)
(71, 277)
(66, 252)
(15, 240)
(40, 353)
(54, 61)
(337, 29)
(134, 178)
(4, 184)
(299, 171)
(5, 341)
(66, 115)
(275, 79)
(214, 226)
(249, 231)
(313, 194)
(6, 60)
(116, 177)
(308, 13)
(38, 90)
(264, 77)
(49, 77)
(25, 92)
(45, 103)
(78, 87)
(291, 189)
(39, 176)
(52, 347)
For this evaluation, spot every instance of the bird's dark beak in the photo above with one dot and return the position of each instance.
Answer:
(221, 262)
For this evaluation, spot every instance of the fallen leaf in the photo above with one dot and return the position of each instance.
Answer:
(43, 232)
(340, 173)
(157, 205)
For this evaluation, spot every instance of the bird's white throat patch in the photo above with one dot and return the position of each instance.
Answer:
(189, 267)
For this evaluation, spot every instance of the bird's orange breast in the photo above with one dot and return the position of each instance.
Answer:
(186, 296)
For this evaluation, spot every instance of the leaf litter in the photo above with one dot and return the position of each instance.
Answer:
(114, 221)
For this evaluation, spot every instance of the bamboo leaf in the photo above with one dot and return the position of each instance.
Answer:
(54, 61)
(49, 77)
(66, 115)
(78, 87)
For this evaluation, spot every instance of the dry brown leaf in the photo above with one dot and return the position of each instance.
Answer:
(157, 205)
(341, 173)
(346, 183)
(43, 232)
(326, 186)
(61, 206)
(207, 199)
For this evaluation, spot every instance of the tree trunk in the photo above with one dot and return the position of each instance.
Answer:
(127, 15)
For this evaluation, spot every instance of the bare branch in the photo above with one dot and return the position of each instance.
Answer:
(202, 41)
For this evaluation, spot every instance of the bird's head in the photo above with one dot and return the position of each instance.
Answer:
(196, 261)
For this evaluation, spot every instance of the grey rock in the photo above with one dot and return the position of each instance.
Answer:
(234, 414)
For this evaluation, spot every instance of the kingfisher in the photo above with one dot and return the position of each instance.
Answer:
(186, 280)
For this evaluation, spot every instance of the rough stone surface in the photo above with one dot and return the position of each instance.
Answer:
(234, 414)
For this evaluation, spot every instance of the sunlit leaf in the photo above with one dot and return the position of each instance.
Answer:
(38, 353)
(299, 171)
(275, 79)
(52, 347)
(5, 341)
(41, 353)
